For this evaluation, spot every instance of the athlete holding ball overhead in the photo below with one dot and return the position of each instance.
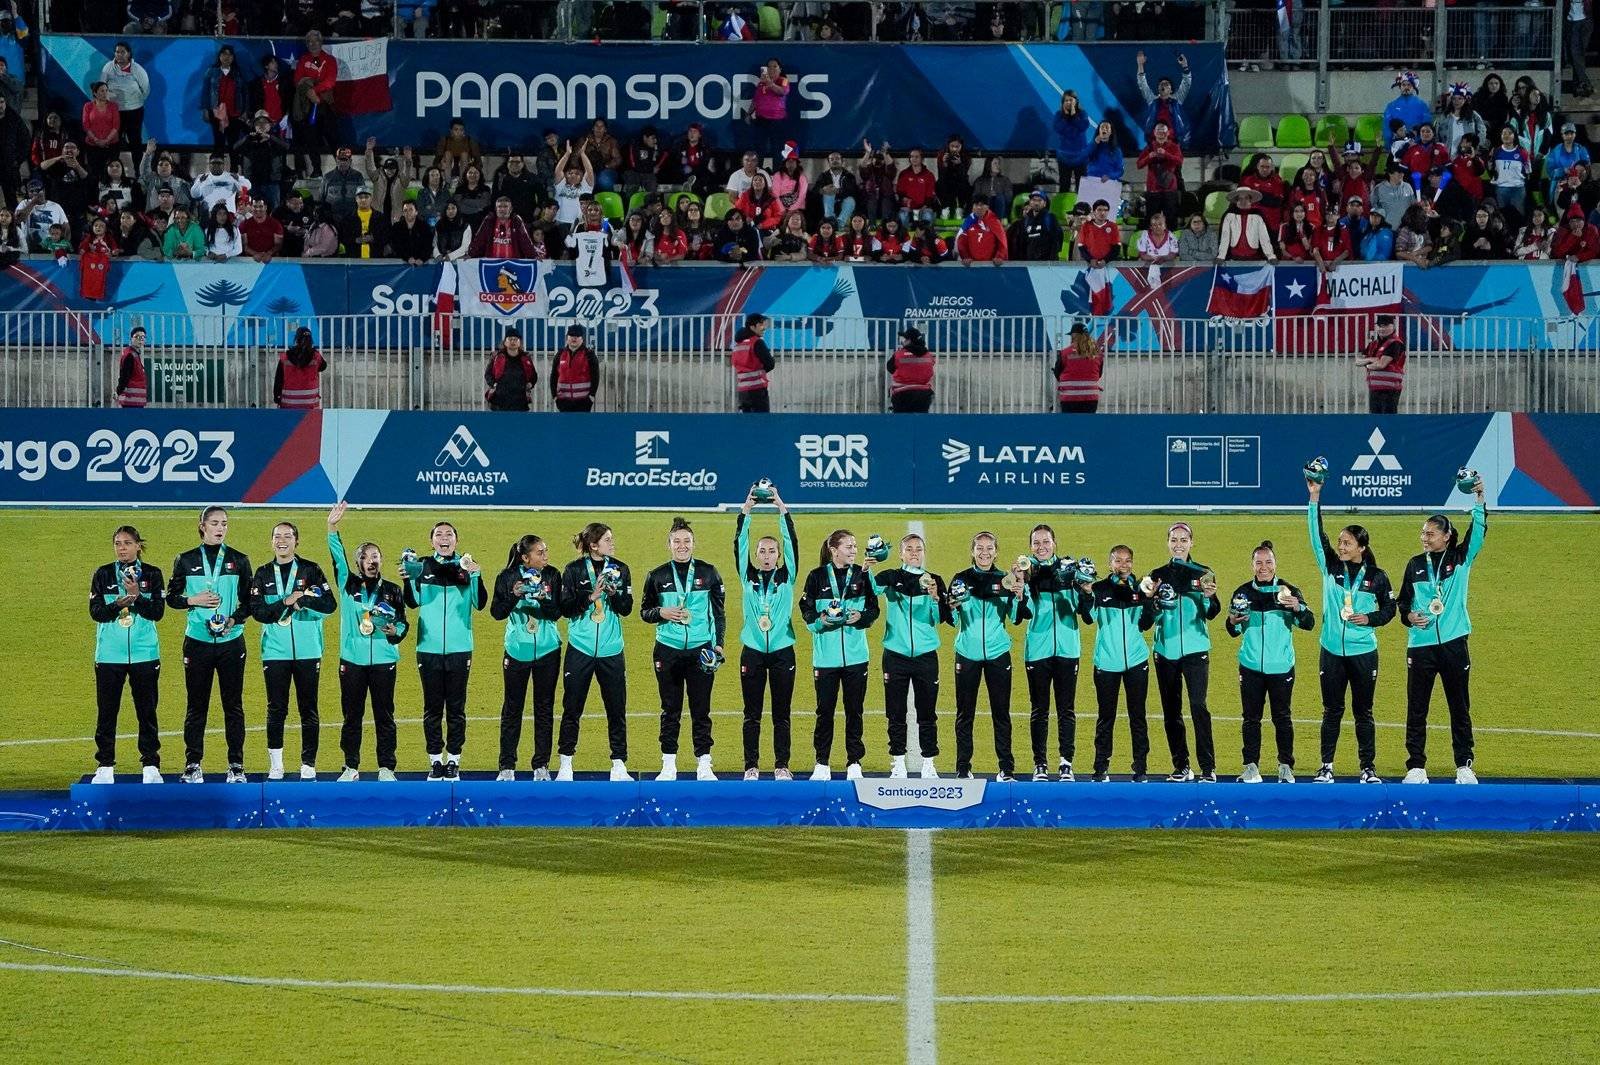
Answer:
(767, 640)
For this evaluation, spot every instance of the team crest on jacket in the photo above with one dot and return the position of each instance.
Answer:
(507, 285)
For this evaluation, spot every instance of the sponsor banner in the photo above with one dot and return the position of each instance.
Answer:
(508, 92)
(600, 461)
(881, 794)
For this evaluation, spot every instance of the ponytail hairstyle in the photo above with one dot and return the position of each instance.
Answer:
(131, 532)
(589, 536)
(835, 538)
(1265, 545)
(908, 537)
(521, 547)
(1446, 526)
(1041, 527)
(983, 535)
(680, 524)
(362, 551)
(205, 516)
(1359, 534)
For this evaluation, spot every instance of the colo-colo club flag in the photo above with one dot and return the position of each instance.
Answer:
(503, 288)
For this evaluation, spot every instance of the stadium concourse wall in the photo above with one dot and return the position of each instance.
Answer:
(53, 457)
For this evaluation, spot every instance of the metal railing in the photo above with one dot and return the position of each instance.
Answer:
(990, 365)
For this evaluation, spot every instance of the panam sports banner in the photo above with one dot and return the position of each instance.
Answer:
(1041, 462)
(999, 97)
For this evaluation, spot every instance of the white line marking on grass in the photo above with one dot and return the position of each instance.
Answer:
(1332, 996)
(921, 1046)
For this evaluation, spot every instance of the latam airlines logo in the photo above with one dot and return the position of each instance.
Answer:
(956, 453)
(1392, 483)
(1012, 464)
(462, 468)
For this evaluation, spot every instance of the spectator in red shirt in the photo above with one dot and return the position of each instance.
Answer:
(857, 240)
(1467, 168)
(1163, 176)
(262, 234)
(1425, 153)
(1353, 185)
(1099, 239)
(222, 100)
(671, 244)
(760, 205)
(917, 190)
(272, 92)
(102, 128)
(983, 236)
(696, 232)
(889, 243)
(1577, 241)
(1297, 236)
(1310, 192)
(1262, 175)
(826, 245)
(311, 113)
(502, 236)
(926, 246)
(1332, 244)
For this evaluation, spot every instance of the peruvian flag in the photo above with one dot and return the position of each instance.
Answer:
(444, 304)
(1571, 287)
(1099, 278)
(1240, 292)
(363, 80)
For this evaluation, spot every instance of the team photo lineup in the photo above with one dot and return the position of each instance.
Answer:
(1060, 609)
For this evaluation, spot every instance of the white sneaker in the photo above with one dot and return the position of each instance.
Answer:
(348, 775)
(897, 767)
(1415, 776)
(1251, 774)
(782, 774)
(152, 775)
(754, 774)
(619, 771)
(236, 776)
(275, 774)
(822, 772)
(669, 767)
(564, 770)
(104, 775)
(929, 770)
(274, 764)
(506, 774)
(192, 775)
(702, 768)
(542, 773)
(1465, 775)
(1285, 773)
(308, 772)
(853, 771)
(1064, 772)
(386, 775)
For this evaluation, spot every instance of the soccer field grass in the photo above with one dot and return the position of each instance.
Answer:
(792, 946)
(1534, 659)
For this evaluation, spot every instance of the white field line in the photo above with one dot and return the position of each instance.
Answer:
(922, 1047)
(1205, 1000)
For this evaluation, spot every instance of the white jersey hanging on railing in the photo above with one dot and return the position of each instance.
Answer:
(589, 252)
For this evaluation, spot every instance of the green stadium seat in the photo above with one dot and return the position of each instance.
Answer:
(1331, 129)
(658, 23)
(1216, 206)
(674, 198)
(1066, 250)
(636, 201)
(610, 205)
(1255, 131)
(1369, 130)
(1290, 164)
(718, 204)
(1294, 132)
(1018, 202)
(1130, 247)
(769, 23)
(1062, 203)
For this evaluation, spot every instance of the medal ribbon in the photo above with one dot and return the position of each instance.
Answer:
(594, 581)
(277, 576)
(1355, 582)
(849, 575)
(1433, 576)
(766, 591)
(683, 588)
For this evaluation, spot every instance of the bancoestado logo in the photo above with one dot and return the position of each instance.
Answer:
(834, 460)
(142, 456)
(585, 97)
(462, 468)
(1015, 463)
(1392, 483)
(653, 468)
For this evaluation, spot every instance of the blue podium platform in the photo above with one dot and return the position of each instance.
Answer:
(876, 802)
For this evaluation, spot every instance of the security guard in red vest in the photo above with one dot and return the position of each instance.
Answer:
(911, 374)
(574, 373)
(1384, 359)
(298, 384)
(751, 361)
(133, 385)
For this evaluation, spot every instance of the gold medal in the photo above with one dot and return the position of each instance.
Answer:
(366, 627)
(533, 625)
(125, 619)
(1346, 612)
(1349, 601)
(764, 623)
(598, 614)
(1436, 607)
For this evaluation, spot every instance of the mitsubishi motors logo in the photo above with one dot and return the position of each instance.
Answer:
(1376, 442)
(956, 453)
(460, 449)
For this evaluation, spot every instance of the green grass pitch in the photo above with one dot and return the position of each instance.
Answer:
(1534, 660)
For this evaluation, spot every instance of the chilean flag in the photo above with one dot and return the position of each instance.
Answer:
(1240, 292)
(1571, 287)
(362, 87)
(1332, 312)
(444, 304)
(1099, 280)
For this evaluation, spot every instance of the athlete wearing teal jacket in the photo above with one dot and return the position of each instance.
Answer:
(1120, 613)
(684, 599)
(766, 593)
(915, 603)
(290, 598)
(444, 589)
(444, 595)
(1263, 615)
(839, 605)
(596, 594)
(767, 638)
(1433, 605)
(1183, 652)
(125, 602)
(1052, 651)
(993, 600)
(1265, 629)
(372, 625)
(981, 618)
(527, 597)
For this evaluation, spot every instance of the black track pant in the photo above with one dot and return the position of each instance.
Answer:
(144, 681)
(306, 673)
(919, 676)
(679, 673)
(542, 673)
(758, 401)
(1047, 676)
(580, 669)
(853, 679)
(1256, 690)
(995, 674)
(1450, 663)
(444, 698)
(202, 660)
(1360, 672)
(756, 670)
(355, 684)
(1172, 676)
(1107, 684)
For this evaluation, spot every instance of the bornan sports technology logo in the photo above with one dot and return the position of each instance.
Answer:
(834, 460)
(507, 285)
(652, 468)
(462, 468)
(1392, 483)
(1013, 464)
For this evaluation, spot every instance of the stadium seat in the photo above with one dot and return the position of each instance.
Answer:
(1066, 250)
(610, 205)
(1369, 130)
(718, 204)
(769, 23)
(658, 23)
(636, 202)
(1018, 202)
(1216, 206)
(674, 198)
(1130, 249)
(1291, 164)
(1255, 131)
(1294, 132)
(1331, 128)
(1062, 203)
